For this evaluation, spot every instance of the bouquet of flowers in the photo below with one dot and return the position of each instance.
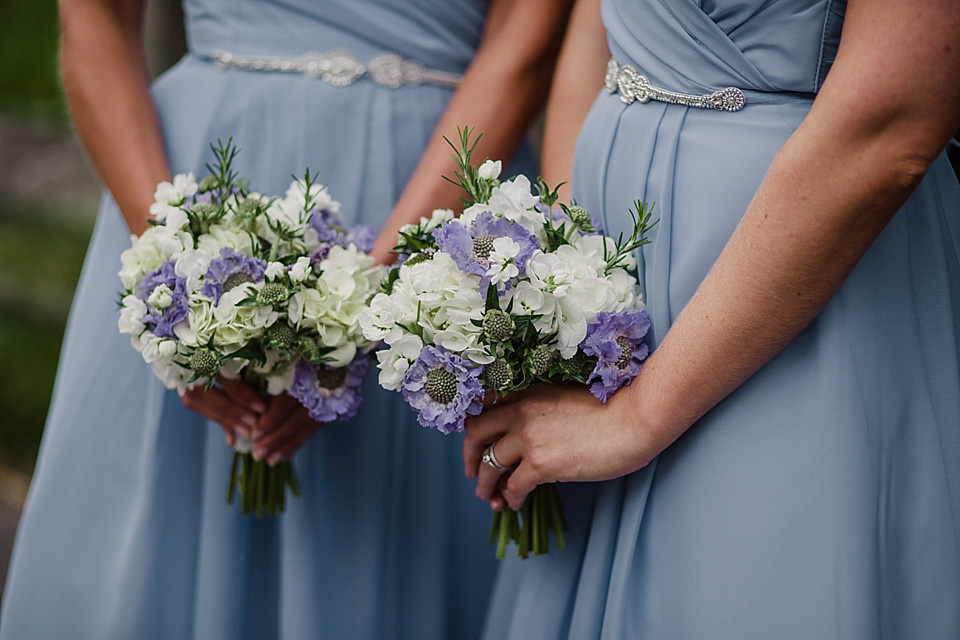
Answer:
(518, 290)
(229, 282)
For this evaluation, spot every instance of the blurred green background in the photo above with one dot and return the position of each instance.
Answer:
(47, 204)
(48, 201)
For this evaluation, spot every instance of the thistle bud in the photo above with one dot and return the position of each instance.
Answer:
(204, 362)
(539, 359)
(308, 348)
(498, 325)
(281, 336)
(204, 210)
(580, 217)
(207, 184)
(575, 366)
(272, 293)
(248, 208)
(417, 258)
(498, 375)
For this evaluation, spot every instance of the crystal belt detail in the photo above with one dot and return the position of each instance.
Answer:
(342, 68)
(632, 85)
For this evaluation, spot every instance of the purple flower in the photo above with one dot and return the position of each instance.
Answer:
(470, 246)
(162, 320)
(330, 393)
(616, 339)
(443, 388)
(232, 268)
(329, 226)
(362, 236)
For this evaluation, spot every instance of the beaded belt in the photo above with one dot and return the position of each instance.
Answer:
(341, 68)
(632, 85)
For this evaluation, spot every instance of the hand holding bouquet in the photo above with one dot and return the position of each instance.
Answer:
(518, 290)
(229, 282)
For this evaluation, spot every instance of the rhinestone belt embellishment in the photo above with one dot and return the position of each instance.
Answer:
(342, 68)
(632, 85)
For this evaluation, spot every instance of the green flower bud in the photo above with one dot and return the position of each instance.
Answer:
(308, 348)
(498, 325)
(204, 362)
(575, 366)
(417, 258)
(272, 293)
(441, 385)
(249, 208)
(281, 336)
(207, 184)
(204, 210)
(498, 374)
(580, 217)
(539, 359)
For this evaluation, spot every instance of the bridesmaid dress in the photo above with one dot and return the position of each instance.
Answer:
(822, 498)
(126, 533)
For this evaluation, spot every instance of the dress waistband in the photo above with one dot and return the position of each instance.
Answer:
(342, 68)
(634, 86)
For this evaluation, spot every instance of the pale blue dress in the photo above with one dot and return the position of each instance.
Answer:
(821, 500)
(126, 533)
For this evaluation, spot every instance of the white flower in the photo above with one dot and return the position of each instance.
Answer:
(200, 325)
(192, 264)
(274, 270)
(161, 297)
(489, 170)
(437, 218)
(301, 269)
(238, 325)
(394, 362)
(131, 315)
(170, 195)
(502, 256)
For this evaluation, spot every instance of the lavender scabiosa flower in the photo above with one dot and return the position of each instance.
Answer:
(330, 393)
(232, 268)
(616, 339)
(471, 246)
(166, 298)
(443, 388)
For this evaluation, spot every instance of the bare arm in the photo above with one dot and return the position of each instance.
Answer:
(858, 155)
(105, 81)
(499, 95)
(578, 78)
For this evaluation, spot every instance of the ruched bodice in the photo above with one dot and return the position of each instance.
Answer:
(442, 34)
(703, 45)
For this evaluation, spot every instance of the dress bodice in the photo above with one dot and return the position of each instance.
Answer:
(442, 34)
(702, 45)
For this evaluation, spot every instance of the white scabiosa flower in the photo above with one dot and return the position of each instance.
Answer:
(395, 360)
(170, 195)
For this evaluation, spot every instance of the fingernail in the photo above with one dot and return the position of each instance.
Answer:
(274, 459)
(255, 434)
(257, 454)
(258, 406)
(249, 420)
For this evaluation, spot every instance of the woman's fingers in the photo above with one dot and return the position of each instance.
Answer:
(507, 454)
(217, 406)
(276, 415)
(242, 393)
(284, 441)
(519, 484)
(480, 431)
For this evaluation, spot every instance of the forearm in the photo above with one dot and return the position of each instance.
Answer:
(499, 96)
(579, 76)
(106, 88)
(828, 194)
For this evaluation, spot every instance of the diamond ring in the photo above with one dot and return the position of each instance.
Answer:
(491, 459)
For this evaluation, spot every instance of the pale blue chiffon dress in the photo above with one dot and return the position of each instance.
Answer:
(822, 498)
(126, 533)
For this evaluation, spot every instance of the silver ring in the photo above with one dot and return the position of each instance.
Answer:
(491, 459)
